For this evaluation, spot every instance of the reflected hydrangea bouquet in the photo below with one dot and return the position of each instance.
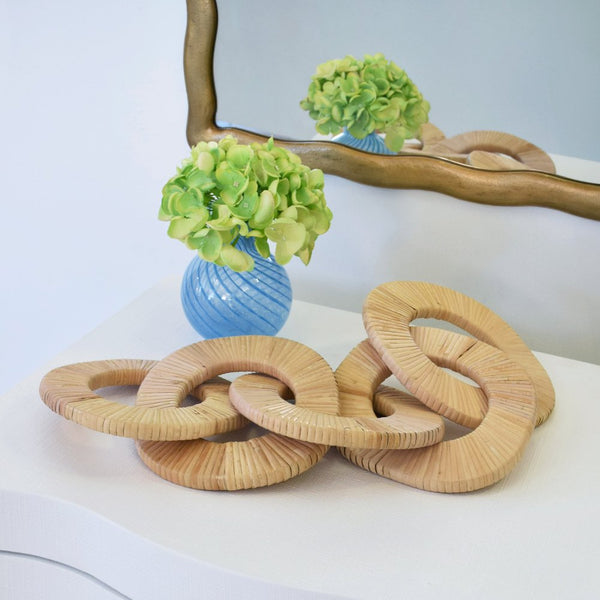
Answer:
(364, 96)
(225, 190)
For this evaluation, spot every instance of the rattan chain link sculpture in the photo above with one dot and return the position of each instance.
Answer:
(306, 408)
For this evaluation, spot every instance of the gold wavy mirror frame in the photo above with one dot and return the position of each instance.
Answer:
(507, 188)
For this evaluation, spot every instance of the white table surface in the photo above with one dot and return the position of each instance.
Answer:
(75, 497)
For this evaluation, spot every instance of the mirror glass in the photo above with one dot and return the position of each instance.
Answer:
(525, 69)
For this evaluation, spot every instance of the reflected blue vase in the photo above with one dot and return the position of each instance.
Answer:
(220, 302)
(372, 143)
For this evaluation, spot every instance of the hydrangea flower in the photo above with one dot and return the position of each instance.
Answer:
(225, 190)
(373, 94)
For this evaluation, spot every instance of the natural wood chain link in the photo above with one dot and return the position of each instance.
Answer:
(329, 409)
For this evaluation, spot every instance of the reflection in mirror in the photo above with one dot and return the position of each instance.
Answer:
(260, 34)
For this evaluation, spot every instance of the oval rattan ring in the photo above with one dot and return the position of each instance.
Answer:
(256, 462)
(232, 465)
(357, 426)
(408, 423)
(522, 151)
(69, 391)
(305, 372)
(387, 313)
(481, 457)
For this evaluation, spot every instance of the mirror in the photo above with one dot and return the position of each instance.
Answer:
(410, 169)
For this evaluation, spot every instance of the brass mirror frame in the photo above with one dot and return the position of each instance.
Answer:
(505, 188)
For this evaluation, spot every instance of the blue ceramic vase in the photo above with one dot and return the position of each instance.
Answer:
(371, 143)
(220, 302)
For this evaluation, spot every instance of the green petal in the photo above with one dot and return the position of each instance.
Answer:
(265, 211)
(180, 228)
(305, 255)
(181, 204)
(246, 207)
(290, 213)
(303, 196)
(242, 226)
(233, 181)
(289, 237)
(394, 138)
(201, 180)
(205, 162)
(210, 246)
(322, 220)
(239, 156)
(236, 259)
(279, 187)
(316, 179)
(262, 246)
(163, 215)
(268, 164)
(294, 181)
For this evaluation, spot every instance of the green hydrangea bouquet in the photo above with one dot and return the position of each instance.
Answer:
(364, 96)
(226, 190)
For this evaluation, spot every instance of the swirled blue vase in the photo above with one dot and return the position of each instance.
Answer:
(220, 302)
(371, 143)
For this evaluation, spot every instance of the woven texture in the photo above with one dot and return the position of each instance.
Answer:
(388, 311)
(232, 465)
(521, 153)
(289, 412)
(481, 457)
(69, 391)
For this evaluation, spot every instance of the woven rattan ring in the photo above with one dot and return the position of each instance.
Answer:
(232, 465)
(524, 153)
(388, 311)
(411, 426)
(481, 457)
(69, 391)
(252, 463)
(408, 422)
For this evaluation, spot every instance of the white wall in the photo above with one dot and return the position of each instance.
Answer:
(538, 269)
(93, 112)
